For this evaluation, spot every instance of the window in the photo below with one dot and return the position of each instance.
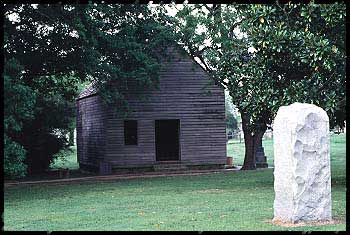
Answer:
(130, 132)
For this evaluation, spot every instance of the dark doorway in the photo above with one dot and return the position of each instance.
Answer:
(167, 140)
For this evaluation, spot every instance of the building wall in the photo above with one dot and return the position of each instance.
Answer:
(90, 132)
(183, 95)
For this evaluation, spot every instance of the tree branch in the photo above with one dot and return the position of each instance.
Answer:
(208, 8)
(232, 28)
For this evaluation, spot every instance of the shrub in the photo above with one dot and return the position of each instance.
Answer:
(42, 152)
(14, 155)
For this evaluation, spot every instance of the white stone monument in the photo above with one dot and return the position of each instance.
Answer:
(302, 177)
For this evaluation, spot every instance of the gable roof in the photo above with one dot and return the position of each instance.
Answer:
(91, 89)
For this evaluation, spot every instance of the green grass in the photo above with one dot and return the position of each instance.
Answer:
(236, 150)
(241, 200)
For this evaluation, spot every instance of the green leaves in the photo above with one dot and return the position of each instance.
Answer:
(14, 155)
(297, 54)
(19, 99)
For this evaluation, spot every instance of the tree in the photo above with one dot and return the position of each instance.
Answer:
(268, 56)
(231, 121)
(17, 108)
(49, 49)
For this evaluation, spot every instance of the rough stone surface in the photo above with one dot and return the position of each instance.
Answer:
(302, 179)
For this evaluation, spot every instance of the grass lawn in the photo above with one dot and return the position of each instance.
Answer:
(241, 200)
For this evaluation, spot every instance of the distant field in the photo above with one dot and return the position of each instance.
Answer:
(236, 149)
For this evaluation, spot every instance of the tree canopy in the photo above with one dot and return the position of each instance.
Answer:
(268, 56)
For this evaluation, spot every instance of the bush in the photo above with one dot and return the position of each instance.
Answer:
(14, 155)
(42, 152)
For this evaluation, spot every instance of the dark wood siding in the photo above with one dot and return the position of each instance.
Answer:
(91, 131)
(185, 93)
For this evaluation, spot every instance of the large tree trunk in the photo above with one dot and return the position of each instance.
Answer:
(249, 157)
(251, 141)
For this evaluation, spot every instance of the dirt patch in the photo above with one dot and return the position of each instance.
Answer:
(300, 224)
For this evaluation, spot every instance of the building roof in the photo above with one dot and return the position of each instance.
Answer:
(89, 90)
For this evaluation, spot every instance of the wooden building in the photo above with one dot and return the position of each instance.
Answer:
(182, 122)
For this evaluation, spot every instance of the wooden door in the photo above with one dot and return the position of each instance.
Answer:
(167, 140)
